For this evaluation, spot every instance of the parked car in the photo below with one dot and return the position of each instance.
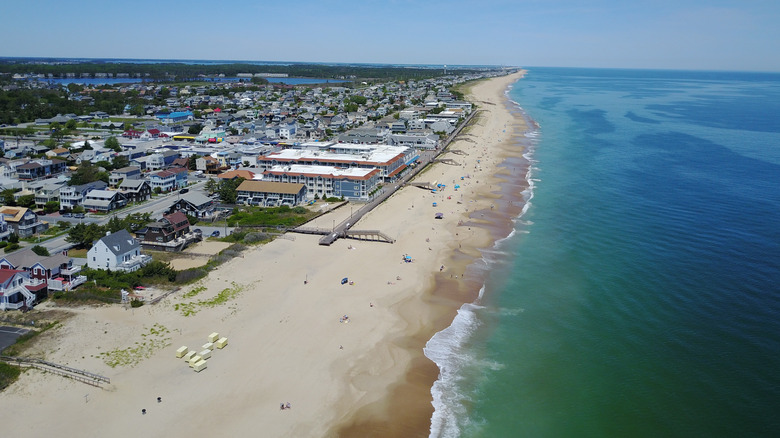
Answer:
(79, 215)
(183, 191)
(67, 214)
(198, 231)
(215, 233)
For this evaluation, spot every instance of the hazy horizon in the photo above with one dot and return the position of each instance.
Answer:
(663, 34)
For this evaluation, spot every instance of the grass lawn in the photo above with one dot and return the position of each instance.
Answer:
(78, 253)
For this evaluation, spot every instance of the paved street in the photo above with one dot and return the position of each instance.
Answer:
(154, 207)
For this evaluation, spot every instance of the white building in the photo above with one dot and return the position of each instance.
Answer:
(117, 252)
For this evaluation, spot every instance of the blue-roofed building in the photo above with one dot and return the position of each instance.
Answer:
(175, 116)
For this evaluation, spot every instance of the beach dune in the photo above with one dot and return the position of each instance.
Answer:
(346, 357)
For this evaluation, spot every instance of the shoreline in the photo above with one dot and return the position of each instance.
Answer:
(286, 342)
(408, 408)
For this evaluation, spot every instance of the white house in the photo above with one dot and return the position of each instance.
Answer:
(117, 252)
(13, 289)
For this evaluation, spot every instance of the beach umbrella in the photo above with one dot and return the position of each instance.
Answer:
(344, 280)
(457, 186)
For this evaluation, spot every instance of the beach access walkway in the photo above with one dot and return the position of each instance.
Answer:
(343, 229)
(62, 370)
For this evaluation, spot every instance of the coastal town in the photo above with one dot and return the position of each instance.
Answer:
(195, 156)
(170, 255)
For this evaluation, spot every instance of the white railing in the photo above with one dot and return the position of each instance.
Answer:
(71, 271)
(135, 262)
(81, 279)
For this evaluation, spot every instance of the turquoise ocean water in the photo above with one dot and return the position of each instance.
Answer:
(639, 294)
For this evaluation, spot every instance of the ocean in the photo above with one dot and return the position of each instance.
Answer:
(639, 293)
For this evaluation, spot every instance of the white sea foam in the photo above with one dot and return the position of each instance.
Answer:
(447, 348)
(503, 311)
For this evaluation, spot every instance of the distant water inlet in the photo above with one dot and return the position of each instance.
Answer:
(637, 296)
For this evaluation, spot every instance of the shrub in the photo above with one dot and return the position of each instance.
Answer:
(255, 237)
(11, 247)
(136, 303)
(3, 244)
(190, 275)
(8, 374)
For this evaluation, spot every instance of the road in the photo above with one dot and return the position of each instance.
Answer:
(154, 207)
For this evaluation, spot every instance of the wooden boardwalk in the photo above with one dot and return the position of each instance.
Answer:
(62, 370)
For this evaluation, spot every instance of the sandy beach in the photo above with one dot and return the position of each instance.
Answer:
(282, 307)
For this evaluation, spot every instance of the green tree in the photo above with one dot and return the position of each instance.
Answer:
(82, 235)
(57, 132)
(40, 250)
(227, 190)
(113, 144)
(86, 173)
(192, 162)
(51, 207)
(26, 201)
(120, 161)
(8, 197)
(70, 125)
(361, 100)
(13, 238)
(195, 129)
(212, 186)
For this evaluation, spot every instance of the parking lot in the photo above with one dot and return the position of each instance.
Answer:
(8, 335)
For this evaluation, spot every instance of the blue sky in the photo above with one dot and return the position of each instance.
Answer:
(675, 34)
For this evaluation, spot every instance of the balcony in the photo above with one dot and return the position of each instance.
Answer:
(70, 272)
(134, 263)
(61, 284)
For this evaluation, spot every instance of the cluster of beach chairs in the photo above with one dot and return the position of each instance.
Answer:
(197, 359)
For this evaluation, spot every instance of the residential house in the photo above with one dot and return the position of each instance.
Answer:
(5, 231)
(136, 190)
(58, 153)
(163, 180)
(239, 173)
(72, 196)
(119, 175)
(117, 252)
(181, 162)
(161, 160)
(104, 200)
(14, 292)
(168, 180)
(207, 164)
(229, 159)
(398, 126)
(171, 233)
(270, 194)
(181, 175)
(39, 169)
(48, 192)
(22, 221)
(56, 271)
(194, 204)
